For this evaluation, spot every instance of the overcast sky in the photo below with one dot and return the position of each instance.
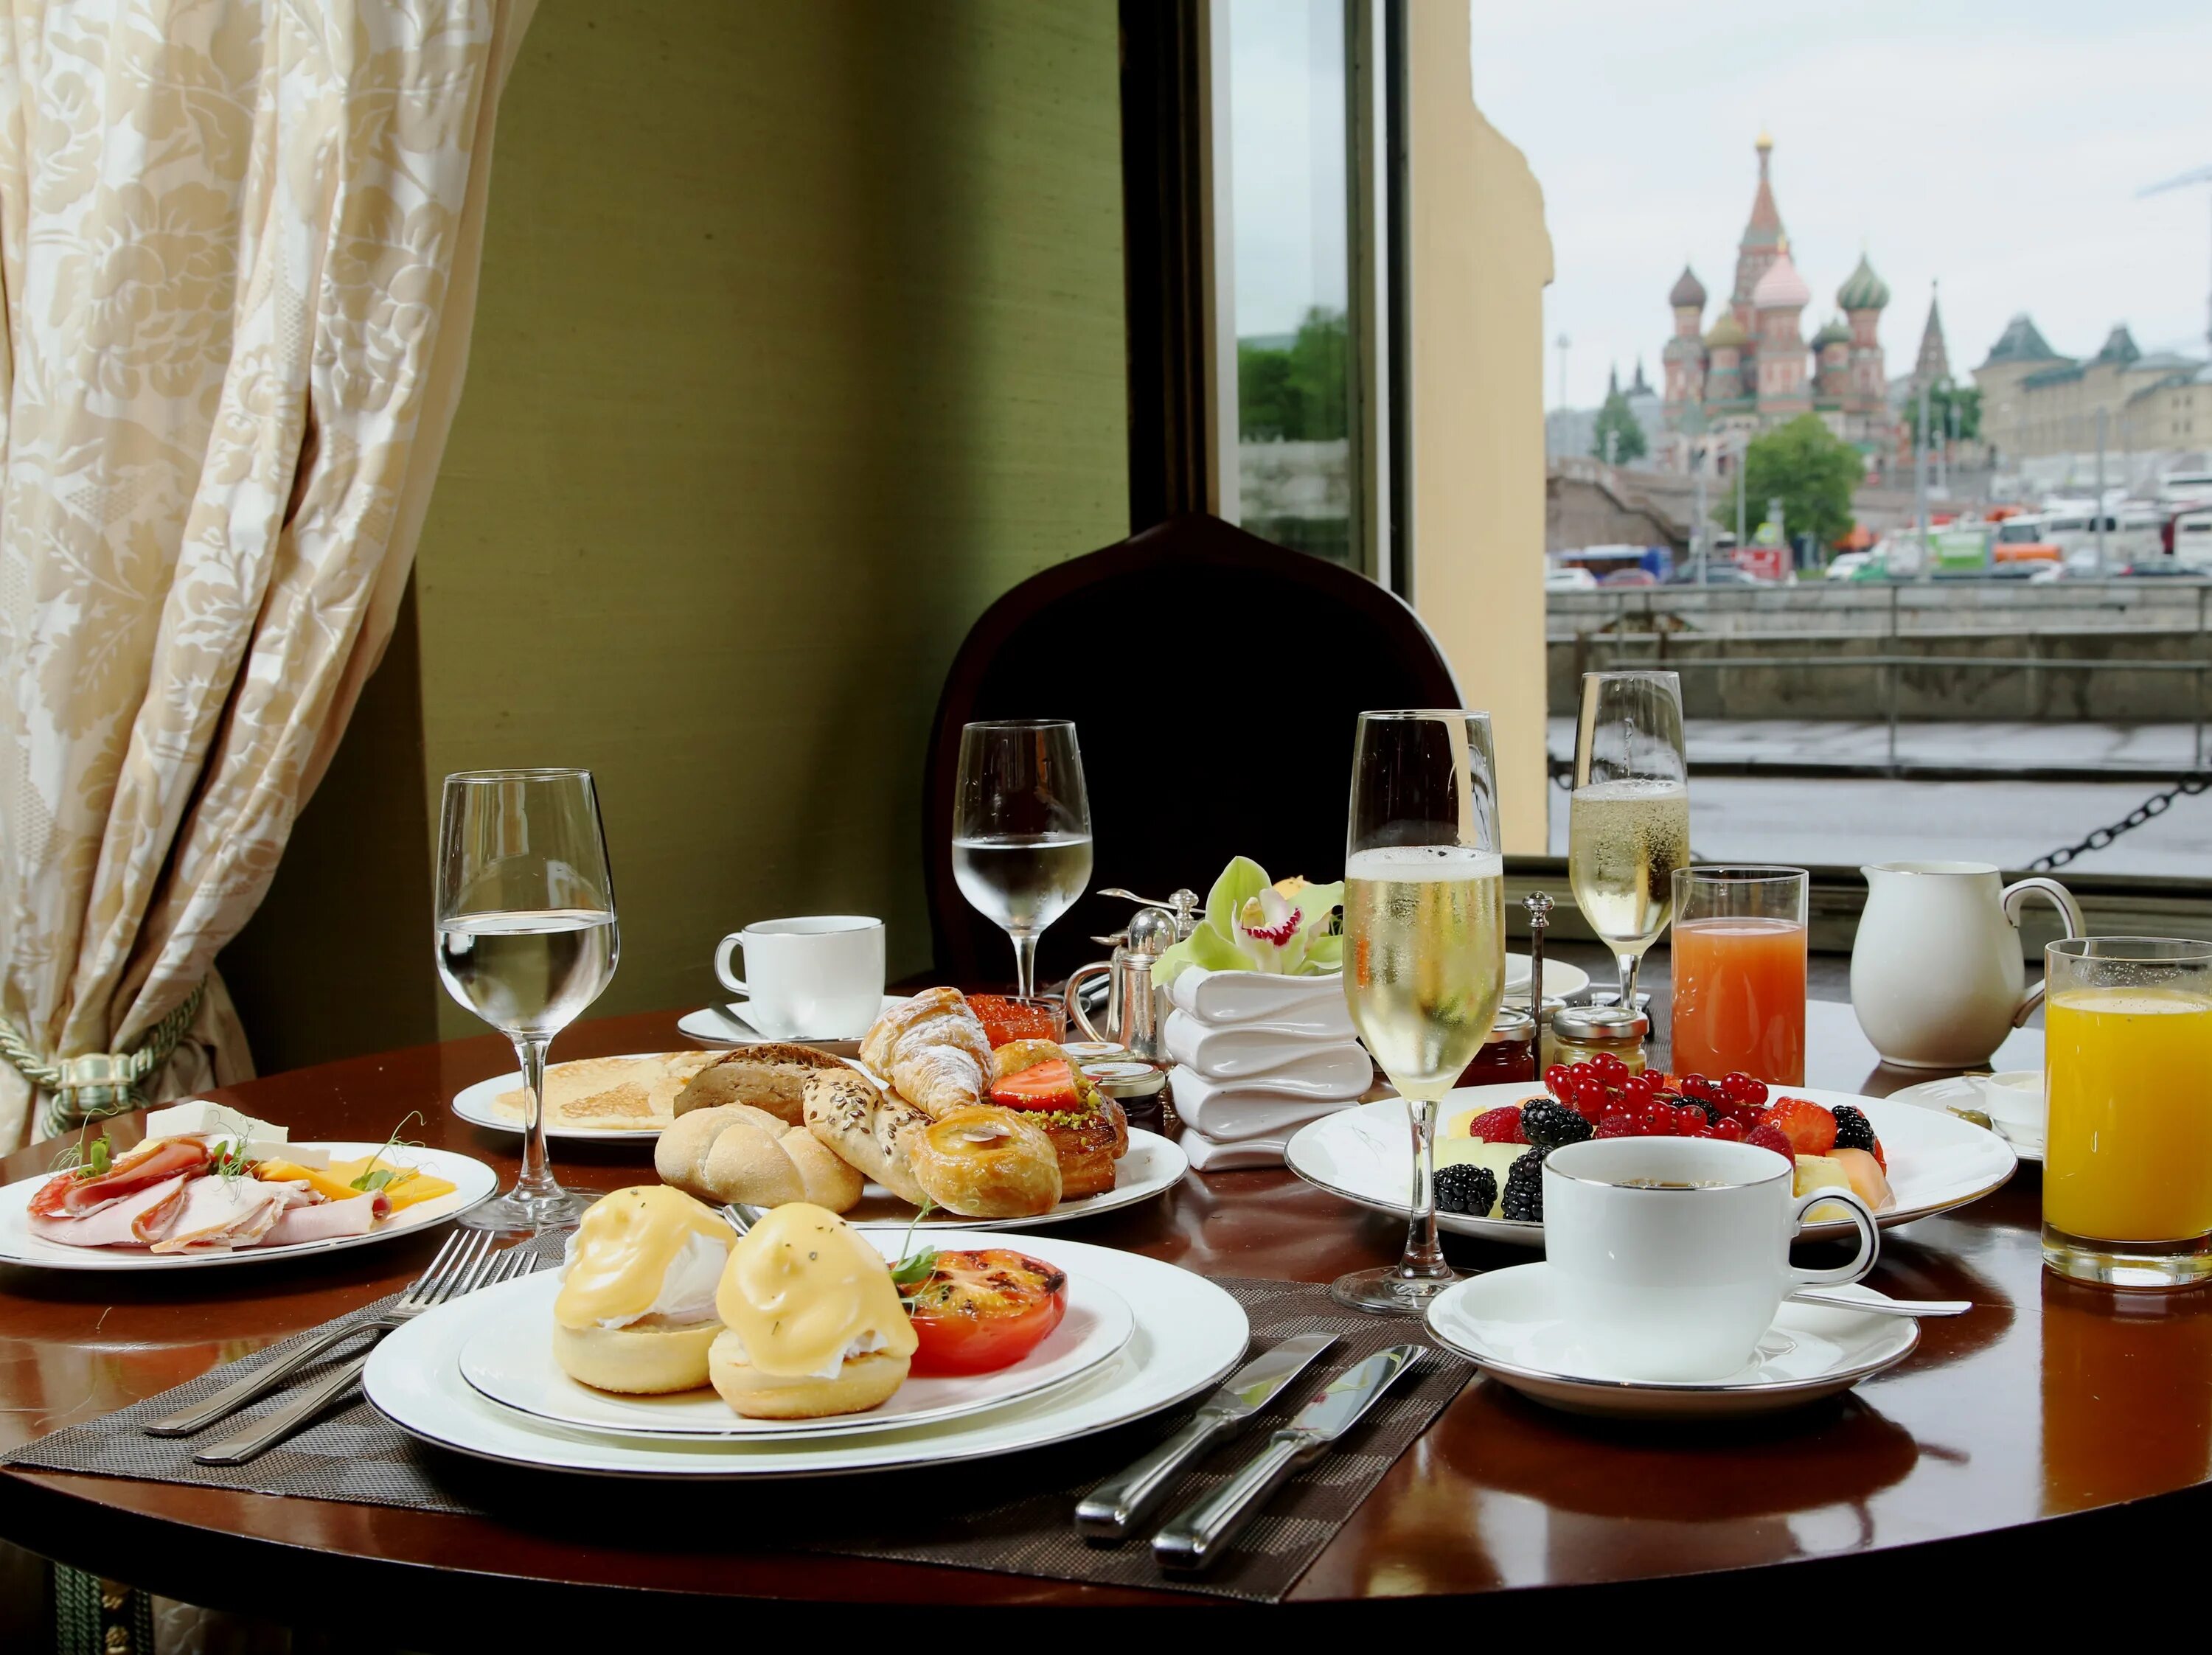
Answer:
(1995, 147)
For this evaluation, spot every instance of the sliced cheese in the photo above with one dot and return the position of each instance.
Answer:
(204, 1117)
(412, 1186)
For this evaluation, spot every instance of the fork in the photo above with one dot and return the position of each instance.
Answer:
(265, 1434)
(462, 1250)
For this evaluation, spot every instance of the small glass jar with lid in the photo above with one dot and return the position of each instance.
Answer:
(1580, 1032)
(1509, 1055)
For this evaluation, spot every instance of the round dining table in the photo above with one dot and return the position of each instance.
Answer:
(2022, 1442)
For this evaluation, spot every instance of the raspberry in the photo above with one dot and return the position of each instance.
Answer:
(1524, 1190)
(1810, 1129)
(1469, 1190)
(1769, 1138)
(1548, 1125)
(1619, 1126)
(1499, 1125)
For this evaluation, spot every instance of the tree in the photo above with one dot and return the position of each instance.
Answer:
(1810, 469)
(1295, 393)
(1942, 397)
(1614, 420)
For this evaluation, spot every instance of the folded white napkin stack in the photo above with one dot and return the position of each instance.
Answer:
(1257, 1056)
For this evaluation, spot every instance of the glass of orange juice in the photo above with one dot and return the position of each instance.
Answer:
(1739, 970)
(2127, 1169)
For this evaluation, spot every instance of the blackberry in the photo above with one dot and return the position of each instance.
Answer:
(1548, 1124)
(1852, 1129)
(1469, 1190)
(1524, 1189)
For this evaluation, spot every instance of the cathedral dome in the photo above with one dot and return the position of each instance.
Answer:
(1862, 289)
(1726, 334)
(1781, 287)
(1689, 292)
(1835, 333)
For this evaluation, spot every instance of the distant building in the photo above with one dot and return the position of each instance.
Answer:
(2036, 402)
(1753, 368)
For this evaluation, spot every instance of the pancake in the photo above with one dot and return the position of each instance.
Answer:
(612, 1094)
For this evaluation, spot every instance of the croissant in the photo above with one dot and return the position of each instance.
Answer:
(933, 1050)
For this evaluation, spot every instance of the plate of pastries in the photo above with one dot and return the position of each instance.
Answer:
(668, 1342)
(928, 1118)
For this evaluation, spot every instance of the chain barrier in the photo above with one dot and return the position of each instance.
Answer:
(2157, 805)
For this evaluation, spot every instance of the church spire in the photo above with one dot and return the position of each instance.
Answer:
(1933, 366)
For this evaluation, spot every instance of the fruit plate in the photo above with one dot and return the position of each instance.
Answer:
(1188, 1334)
(509, 1359)
(1937, 1161)
(471, 1180)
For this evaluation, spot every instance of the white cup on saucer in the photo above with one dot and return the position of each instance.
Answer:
(1670, 1256)
(819, 977)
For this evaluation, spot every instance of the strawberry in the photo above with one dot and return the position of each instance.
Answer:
(1499, 1125)
(1047, 1086)
(1810, 1129)
(1768, 1137)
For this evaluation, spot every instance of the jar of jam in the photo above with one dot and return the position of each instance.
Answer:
(1580, 1032)
(1509, 1056)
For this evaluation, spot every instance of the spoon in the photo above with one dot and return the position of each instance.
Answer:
(740, 1217)
(1886, 1307)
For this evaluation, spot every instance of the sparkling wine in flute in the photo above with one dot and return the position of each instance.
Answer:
(528, 974)
(1424, 958)
(1022, 882)
(1624, 840)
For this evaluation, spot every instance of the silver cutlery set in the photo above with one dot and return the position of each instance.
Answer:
(465, 1263)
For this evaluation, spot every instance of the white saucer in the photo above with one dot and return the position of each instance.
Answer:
(2012, 1099)
(509, 1358)
(1561, 980)
(726, 1024)
(1505, 1321)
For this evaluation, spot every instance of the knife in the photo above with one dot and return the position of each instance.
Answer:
(1203, 1531)
(1119, 1504)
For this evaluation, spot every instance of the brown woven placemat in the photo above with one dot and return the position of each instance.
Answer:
(1009, 1514)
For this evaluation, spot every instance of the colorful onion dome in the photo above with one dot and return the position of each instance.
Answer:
(1781, 287)
(1835, 333)
(1862, 289)
(1726, 334)
(1689, 292)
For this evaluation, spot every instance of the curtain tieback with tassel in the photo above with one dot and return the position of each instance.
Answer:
(73, 1090)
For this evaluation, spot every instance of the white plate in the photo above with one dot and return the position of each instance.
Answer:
(2012, 1099)
(509, 1358)
(1937, 1161)
(474, 1103)
(1154, 1166)
(472, 1182)
(1189, 1334)
(726, 1024)
(1561, 980)
(1506, 1322)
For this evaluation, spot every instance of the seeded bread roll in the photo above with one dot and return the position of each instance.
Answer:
(866, 1127)
(771, 1075)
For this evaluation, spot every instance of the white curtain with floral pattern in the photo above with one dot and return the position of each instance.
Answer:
(238, 241)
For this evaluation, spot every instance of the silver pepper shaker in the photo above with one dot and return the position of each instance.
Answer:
(1539, 920)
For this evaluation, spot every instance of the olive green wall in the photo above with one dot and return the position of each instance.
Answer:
(800, 339)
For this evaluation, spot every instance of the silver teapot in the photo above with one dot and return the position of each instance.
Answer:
(1136, 1011)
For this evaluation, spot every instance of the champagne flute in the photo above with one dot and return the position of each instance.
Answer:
(526, 939)
(1021, 829)
(1424, 945)
(1629, 819)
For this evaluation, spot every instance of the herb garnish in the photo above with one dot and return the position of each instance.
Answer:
(375, 1177)
(914, 1269)
(85, 1160)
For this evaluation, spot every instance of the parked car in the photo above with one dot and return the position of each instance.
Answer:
(1849, 566)
(1717, 574)
(1629, 577)
(1569, 580)
(2189, 539)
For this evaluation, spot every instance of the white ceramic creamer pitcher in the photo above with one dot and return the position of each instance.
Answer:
(1937, 972)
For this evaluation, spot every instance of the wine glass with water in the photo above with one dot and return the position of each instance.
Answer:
(526, 939)
(1424, 945)
(1629, 817)
(1021, 829)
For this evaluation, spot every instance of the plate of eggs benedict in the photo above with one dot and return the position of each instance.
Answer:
(664, 1321)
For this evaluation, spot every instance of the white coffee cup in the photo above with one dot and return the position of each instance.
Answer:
(820, 978)
(1679, 1284)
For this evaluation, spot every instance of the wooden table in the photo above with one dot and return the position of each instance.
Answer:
(2020, 1436)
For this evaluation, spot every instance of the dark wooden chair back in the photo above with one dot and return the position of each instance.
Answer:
(1215, 680)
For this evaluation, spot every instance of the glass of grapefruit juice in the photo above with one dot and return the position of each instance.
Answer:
(1739, 972)
(2127, 1171)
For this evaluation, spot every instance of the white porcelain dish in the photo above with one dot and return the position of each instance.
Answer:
(1937, 1161)
(2012, 1099)
(472, 1182)
(1507, 1322)
(1188, 1335)
(1154, 1166)
(726, 1024)
(1561, 980)
(474, 1103)
(509, 1359)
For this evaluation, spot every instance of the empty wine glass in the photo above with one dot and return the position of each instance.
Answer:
(526, 939)
(1021, 829)
(1424, 945)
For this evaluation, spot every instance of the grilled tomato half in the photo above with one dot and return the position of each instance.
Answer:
(977, 1311)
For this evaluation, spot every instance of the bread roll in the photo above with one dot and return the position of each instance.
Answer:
(988, 1163)
(831, 1181)
(738, 1153)
(862, 1383)
(866, 1127)
(771, 1075)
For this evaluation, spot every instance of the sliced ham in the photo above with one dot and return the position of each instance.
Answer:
(219, 1214)
(67, 1195)
(136, 1221)
(322, 1222)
